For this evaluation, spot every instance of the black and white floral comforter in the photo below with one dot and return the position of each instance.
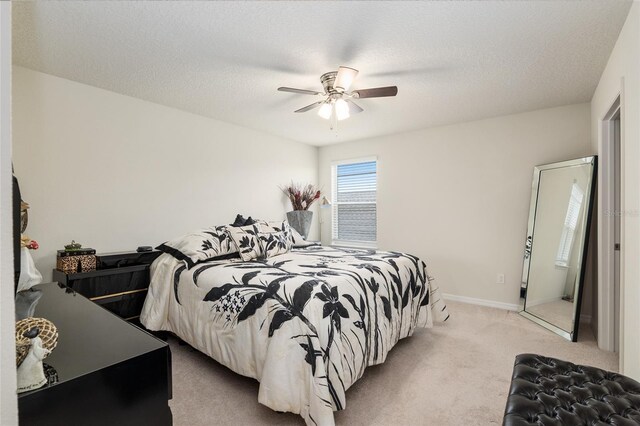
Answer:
(305, 324)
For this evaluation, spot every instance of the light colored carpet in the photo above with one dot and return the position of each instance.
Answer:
(453, 374)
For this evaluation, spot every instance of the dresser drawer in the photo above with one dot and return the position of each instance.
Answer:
(122, 290)
(119, 280)
(126, 306)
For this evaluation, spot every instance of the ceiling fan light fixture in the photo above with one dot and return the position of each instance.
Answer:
(344, 78)
(342, 109)
(325, 110)
(337, 103)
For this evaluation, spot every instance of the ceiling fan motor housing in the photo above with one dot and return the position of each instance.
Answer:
(327, 79)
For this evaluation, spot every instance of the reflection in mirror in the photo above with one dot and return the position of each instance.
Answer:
(26, 302)
(555, 249)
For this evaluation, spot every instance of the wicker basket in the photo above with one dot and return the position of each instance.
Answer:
(48, 334)
(72, 264)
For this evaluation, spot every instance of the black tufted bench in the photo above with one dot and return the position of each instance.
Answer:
(547, 391)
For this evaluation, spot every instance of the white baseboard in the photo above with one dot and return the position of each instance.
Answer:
(585, 319)
(482, 302)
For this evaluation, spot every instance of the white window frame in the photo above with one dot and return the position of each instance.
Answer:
(335, 203)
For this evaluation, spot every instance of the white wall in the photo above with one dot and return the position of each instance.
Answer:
(8, 400)
(458, 196)
(622, 76)
(115, 172)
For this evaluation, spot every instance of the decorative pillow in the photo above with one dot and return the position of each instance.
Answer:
(293, 235)
(298, 241)
(279, 226)
(246, 239)
(274, 243)
(272, 226)
(239, 221)
(200, 245)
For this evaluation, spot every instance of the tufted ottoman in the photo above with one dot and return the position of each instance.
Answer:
(548, 391)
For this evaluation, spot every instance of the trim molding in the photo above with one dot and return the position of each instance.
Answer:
(482, 302)
(585, 319)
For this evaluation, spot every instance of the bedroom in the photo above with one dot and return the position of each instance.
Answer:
(135, 123)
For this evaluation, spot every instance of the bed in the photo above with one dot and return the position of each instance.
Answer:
(305, 323)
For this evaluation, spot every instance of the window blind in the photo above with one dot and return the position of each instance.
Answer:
(570, 224)
(354, 207)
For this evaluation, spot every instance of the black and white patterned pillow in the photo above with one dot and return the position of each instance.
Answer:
(277, 226)
(200, 245)
(246, 239)
(274, 243)
(272, 226)
(294, 236)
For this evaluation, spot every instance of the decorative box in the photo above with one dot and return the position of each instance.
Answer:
(83, 260)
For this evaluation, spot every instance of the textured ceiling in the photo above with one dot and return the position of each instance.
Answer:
(452, 61)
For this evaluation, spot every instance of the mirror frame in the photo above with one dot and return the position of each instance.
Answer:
(535, 187)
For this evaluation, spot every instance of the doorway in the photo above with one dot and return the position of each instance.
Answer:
(615, 124)
(611, 244)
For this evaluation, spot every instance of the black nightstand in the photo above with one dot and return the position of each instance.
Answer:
(120, 285)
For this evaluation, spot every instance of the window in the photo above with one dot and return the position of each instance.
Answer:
(354, 202)
(570, 224)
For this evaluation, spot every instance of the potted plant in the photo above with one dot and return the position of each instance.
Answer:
(301, 197)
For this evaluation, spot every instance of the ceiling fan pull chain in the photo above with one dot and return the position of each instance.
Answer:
(334, 120)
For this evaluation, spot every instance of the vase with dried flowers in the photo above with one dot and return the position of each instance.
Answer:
(301, 197)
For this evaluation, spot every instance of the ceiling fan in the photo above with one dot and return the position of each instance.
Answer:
(338, 100)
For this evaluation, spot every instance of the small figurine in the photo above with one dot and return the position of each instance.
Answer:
(24, 215)
(27, 242)
(28, 274)
(73, 246)
(30, 372)
(42, 338)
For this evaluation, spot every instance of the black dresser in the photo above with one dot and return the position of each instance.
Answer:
(109, 372)
(119, 284)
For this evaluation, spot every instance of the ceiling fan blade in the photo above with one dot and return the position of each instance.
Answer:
(344, 78)
(301, 91)
(310, 107)
(377, 92)
(353, 107)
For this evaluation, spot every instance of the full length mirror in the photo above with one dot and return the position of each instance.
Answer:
(556, 245)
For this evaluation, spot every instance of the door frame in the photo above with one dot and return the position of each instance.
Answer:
(8, 396)
(607, 321)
